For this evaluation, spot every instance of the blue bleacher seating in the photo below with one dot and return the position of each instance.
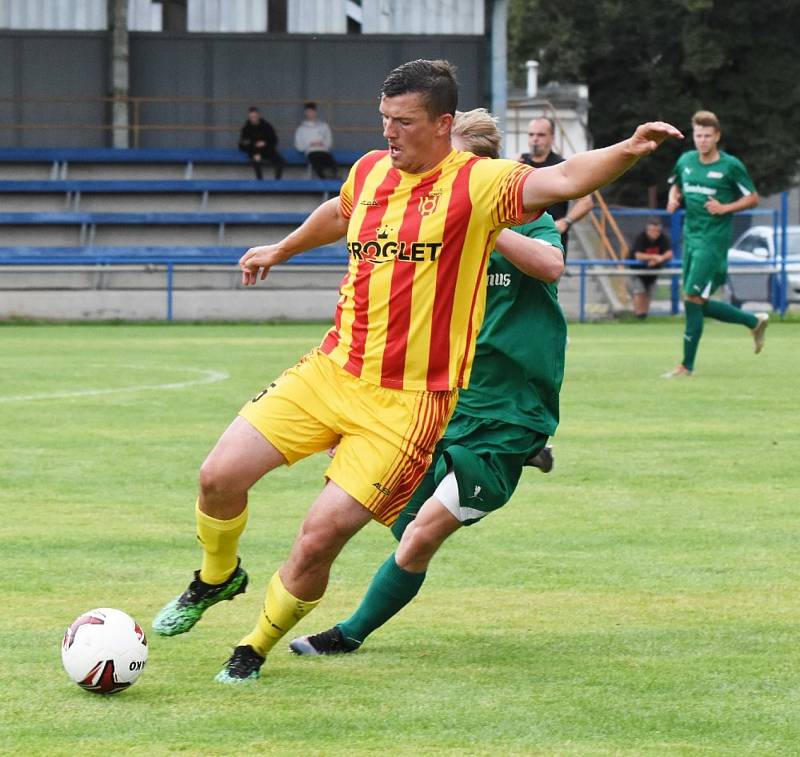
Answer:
(74, 189)
(89, 222)
(59, 158)
(147, 219)
(89, 254)
(47, 256)
(168, 185)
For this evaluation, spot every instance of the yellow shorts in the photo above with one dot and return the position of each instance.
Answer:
(386, 436)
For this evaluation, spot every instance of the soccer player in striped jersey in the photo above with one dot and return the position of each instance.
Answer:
(501, 422)
(420, 220)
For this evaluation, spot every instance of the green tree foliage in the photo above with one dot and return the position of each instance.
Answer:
(663, 61)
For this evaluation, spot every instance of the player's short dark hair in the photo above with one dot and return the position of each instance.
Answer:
(435, 80)
(252, 109)
(310, 104)
(653, 221)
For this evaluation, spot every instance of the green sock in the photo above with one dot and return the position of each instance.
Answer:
(722, 311)
(392, 588)
(692, 333)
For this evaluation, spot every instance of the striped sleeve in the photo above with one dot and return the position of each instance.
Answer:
(346, 194)
(509, 207)
(351, 189)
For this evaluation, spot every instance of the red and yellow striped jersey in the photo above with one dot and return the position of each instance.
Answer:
(412, 301)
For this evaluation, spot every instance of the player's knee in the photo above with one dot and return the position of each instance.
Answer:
(418, 543)
(314, 548)
(215, 479)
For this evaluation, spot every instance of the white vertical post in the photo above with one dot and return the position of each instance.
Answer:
(532, 85)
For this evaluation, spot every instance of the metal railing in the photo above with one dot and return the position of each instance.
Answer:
(586, 269)
(777, 267)
(140, 122)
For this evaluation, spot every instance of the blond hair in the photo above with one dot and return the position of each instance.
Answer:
(705, 118)
(478, 132)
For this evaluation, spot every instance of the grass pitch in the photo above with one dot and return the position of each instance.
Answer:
(640, 600)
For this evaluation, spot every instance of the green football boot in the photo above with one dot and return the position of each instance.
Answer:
(180, 615)
(242, 667)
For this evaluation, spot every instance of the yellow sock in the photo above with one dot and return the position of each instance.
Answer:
(281, 611)
(220, 541)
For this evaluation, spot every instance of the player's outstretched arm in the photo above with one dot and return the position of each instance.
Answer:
(536, 259)
(587, 171)
(324, 226)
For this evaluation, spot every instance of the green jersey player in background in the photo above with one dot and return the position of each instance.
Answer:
(501, 423)
(713, 186)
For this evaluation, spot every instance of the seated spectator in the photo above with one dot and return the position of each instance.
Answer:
(260, 141)
(313, 137)
(652, 249)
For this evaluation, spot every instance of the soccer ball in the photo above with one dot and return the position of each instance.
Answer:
(104, 650)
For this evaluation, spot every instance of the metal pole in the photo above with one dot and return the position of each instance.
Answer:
(676, 228)
(582, 313)
(120, 75)
(784, 303)
(169, 291)
(499, 83)
(774, 281)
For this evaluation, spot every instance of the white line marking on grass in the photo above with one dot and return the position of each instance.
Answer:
(205, 377)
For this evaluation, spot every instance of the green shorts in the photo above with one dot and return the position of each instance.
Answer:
(487, 458)
(704, 270)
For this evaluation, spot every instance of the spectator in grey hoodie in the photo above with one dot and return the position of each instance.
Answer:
(313, 137)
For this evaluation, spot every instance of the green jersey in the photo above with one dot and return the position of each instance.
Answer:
(519, 355)
(726, 180)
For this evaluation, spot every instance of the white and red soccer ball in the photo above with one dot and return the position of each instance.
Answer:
(104, 650)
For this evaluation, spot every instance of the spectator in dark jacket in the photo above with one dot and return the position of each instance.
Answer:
(259, 140)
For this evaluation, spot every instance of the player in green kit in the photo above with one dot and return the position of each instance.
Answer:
(501, 423)
(713, 186)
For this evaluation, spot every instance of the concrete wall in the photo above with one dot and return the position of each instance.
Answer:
(139, 293)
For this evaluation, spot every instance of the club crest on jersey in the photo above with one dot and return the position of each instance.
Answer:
(429, 202)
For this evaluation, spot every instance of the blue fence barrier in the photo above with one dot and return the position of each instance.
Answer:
(589, 267)
(167, 257)
(777, 266)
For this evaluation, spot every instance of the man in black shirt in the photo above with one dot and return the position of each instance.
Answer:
(259, 140)
(652, 248)
(540, 142)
